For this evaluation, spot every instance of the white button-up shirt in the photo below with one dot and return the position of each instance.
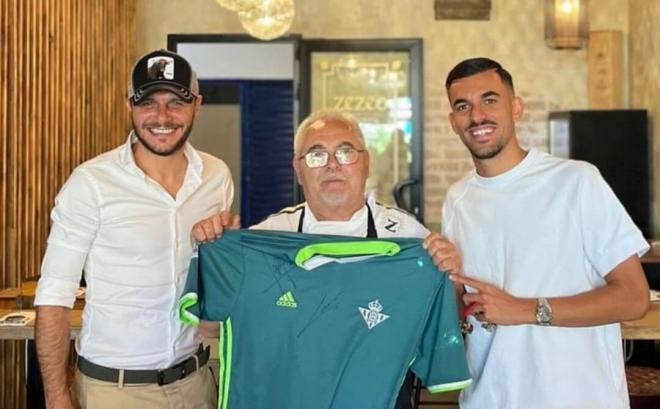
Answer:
(133, 241)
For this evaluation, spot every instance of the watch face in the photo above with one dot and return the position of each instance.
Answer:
(543, 313)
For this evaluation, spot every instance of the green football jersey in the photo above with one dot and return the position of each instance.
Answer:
(324, 321)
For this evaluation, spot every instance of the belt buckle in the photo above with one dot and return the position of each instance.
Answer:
(179, 372)
(160, 377)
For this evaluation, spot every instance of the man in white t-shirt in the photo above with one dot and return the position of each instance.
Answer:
(551, 261)
(332, 165)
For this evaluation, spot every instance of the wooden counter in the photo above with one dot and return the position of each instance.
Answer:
(27, 331)
(8, 298)
(645, 328)
(18, 298)
(75, 320)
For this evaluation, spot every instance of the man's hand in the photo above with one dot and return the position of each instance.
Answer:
(444, 254)
(490, 304)
(212, 228)
(208, 329)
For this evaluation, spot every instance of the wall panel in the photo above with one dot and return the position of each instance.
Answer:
(644, 45)
(63, 73)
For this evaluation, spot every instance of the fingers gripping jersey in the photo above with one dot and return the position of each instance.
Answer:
(325, 321)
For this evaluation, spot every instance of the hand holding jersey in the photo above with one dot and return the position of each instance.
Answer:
(332, 165)
(212, 228)
(324, 319)
(334, 185)
(445, 256)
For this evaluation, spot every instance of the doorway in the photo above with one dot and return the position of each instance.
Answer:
(379, 83)
(255, 93)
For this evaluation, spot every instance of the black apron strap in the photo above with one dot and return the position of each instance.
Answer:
(300, 221)
(371, 224)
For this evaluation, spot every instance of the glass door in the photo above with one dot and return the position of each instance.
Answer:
(378, 82)
(248, 115)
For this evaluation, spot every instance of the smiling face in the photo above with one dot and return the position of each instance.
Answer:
(333, 191)
(163, 121)
(484, 111)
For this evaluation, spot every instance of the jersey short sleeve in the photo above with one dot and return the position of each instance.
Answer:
(211, 296)
(610, 235)
(440, 362)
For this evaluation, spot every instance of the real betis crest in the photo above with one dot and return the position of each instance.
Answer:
(373, 315)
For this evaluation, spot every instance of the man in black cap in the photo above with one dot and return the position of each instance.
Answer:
(125, 218)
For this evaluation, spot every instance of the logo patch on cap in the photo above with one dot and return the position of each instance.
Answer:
(160, 67)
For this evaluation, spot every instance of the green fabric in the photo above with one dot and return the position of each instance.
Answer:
(226, 347)
(339, 336)
(345, 249)
(188, 300)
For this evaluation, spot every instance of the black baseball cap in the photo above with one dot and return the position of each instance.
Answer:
(163, 70)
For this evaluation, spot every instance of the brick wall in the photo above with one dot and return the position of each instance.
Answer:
(546, 79)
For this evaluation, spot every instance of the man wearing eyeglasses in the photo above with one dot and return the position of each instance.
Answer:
(332, 165)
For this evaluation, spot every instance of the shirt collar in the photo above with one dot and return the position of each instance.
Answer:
(359, 214)
(510, 175)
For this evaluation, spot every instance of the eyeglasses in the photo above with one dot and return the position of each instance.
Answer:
(319, 158)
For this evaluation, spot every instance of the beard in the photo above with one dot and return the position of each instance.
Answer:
(334, 199)
(164, 152)
(487, 152)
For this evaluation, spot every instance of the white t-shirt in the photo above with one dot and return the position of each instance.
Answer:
(547, 228)
(389, 222)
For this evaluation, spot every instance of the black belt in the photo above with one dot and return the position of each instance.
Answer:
(137, 376)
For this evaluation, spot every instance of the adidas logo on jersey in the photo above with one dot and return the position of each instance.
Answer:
(287, 300)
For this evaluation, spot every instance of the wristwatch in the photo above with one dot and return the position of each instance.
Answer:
(543, 312)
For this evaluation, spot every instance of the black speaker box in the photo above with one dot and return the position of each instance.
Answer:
(617, 143)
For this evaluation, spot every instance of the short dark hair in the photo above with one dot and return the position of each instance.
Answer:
(472, 66)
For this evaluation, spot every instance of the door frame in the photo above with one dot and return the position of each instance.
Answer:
(414, 47)
(302, 79)
(242, 78)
